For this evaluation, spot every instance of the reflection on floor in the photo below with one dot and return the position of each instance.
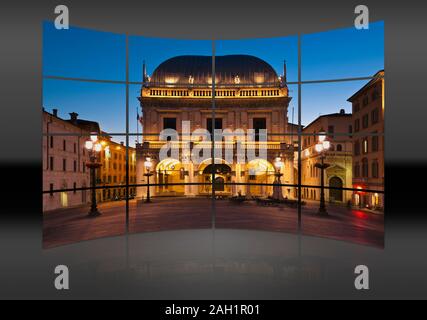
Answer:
(218, 264)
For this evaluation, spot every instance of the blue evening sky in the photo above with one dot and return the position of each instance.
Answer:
(84, 53)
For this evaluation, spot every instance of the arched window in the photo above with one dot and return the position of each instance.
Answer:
(339, 147)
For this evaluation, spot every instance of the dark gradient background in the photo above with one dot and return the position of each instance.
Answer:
(223, 263)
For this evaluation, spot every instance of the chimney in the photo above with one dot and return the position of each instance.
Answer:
(73, 116)
(342, 111)
(122, 143)
(55, 112)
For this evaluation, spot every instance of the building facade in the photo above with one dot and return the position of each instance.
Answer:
(338, 157)
(64, 160)
(113, 170)
(368, 143)
(248, 94)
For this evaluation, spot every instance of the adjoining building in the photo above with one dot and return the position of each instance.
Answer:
(249, 94)
(339, 158)
(368, 142)
(113, 170)
(64, 160)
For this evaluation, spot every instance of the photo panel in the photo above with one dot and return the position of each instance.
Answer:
(343, 53)
(169, 107)
(83, 53)
(88, 105)
(83, 186)
(352, 171)
(255, 180)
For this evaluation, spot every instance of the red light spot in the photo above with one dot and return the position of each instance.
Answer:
(360, 214)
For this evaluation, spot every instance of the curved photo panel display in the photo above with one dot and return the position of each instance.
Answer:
(256, 125)
(170, 100)
(194, 134)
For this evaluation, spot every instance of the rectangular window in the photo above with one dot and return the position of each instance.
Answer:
(356, 107)
(365, 121)
(356, 170)
(375, 116)
(75, 166)
(51, 189)
(375, 169)
(365, 100)
(218, 124)
(374, 143)
(356, 125)
(84, 167)
(365, 168)
(74, 188)
(51, 142)
(259, 124)
(64, 145)
(375, 94)
(51, 163)
(64, 164)
(169, 123)
(331, 131)
(356, 148)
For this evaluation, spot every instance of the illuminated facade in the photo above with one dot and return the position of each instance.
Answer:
(249, 94)
(338, 157)
(64, 160)
(368, 142)
(113, 170)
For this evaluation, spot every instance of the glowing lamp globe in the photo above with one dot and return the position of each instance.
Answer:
(89, 145)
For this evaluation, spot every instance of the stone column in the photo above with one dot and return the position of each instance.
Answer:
(189, 178)
(290, 177)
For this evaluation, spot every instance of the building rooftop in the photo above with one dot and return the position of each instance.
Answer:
(229, 70)
(335, 114)
(379, 75)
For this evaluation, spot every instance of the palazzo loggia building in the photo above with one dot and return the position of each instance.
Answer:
(249, 94)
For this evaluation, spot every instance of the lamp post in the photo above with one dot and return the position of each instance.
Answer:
(277, 189)
(93, 147)
(321, 147)
(148, 164)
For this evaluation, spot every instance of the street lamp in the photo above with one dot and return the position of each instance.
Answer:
(94, 147)
(277, 189)
(148, 164)
(321, 147)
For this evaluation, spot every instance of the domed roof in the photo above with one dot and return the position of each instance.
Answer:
(229, 70)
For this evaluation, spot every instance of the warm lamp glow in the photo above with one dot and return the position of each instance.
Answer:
(322, 136)
(89, 145)
(98, 147)
(94, 138)
(278, 163)
(318, 147)
(148, 164)
(326, 144)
